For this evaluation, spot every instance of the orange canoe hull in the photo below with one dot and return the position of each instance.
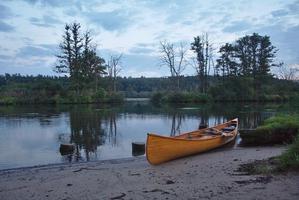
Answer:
(160, 149)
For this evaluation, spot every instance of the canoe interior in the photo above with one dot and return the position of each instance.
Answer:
(160, 149)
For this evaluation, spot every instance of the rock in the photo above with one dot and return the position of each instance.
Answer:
(66, 149)
(138, 148)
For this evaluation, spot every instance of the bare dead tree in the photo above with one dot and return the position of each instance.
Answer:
(173, 57)
(113, 69)
(287, 72)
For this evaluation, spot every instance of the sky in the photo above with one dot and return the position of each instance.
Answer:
(31, 30)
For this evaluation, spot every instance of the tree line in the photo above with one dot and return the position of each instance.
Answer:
(249, 56)
(241, 72)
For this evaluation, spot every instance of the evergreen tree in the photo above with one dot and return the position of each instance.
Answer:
(202, 49)
(78, 58)
(226, 63)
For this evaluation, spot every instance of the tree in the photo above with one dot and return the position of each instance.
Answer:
(114, 68)
(173, 57)
(255, 54)
(65, 59)
(78, 58)
(203, 51)
(93, 66)
(288, 72)
(226, 63)
(251, 56)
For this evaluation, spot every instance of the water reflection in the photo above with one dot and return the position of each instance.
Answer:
(31, 135)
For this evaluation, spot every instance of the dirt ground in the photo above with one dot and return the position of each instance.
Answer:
(211, 175)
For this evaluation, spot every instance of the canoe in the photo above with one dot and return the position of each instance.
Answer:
(160, 149)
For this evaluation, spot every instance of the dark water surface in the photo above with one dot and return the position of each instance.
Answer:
(31, 135)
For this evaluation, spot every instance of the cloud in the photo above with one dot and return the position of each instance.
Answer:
(35, 51)
(4, 27)
(141, 50)
(5, 12)
(279, 13)
(286, 40)
(111, 21)
(46, 21)
(52, 3)
(135, 27)
(237, 26)
(4, 57)
(294, 7)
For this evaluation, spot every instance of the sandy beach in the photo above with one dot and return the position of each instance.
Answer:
(211, 175)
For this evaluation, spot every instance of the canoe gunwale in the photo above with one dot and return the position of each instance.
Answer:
(196, 139)
(189, 140)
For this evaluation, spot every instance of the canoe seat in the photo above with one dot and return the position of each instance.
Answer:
(228, 129)
(212, 132)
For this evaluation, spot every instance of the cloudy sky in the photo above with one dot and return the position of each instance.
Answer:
(30, 30)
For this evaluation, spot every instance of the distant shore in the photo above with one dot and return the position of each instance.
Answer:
(211, 175)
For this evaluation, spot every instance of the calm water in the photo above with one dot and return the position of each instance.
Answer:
(31, 135)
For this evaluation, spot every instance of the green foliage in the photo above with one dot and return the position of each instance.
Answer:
(115, 98)
(100, 94)
(290, 158)
(180, 97)
(78, 58)
(239, 89)
(275, 130)
(8, 100)
(157, 97)
(16, 89)
(282, 121)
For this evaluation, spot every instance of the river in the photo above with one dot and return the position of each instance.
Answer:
(31, 135)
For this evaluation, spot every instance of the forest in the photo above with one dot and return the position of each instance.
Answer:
(241, 72)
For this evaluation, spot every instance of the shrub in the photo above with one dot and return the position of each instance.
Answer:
(99, 95)
(7, 100)
(290, 158)
(275, 130)
(115, 98)
(157, 97)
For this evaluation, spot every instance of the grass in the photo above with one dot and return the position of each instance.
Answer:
(290, 158)
(287, 161)
(276, 130)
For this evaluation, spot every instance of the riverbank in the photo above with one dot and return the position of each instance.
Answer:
(212, 175)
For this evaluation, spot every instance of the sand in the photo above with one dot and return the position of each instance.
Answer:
(211, 175)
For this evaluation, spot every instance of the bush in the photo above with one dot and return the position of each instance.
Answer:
(99, 96)
(290, 159)
(180, 97)
(115, 98)
(275, 130)
(7, 100)
(157, 97)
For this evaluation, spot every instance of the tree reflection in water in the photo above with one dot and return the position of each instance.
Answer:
(86, 131)
(91, 128)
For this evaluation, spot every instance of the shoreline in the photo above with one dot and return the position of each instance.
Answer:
(210, 175)
(55, 165)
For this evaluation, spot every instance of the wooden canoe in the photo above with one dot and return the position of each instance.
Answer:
(160, 149)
